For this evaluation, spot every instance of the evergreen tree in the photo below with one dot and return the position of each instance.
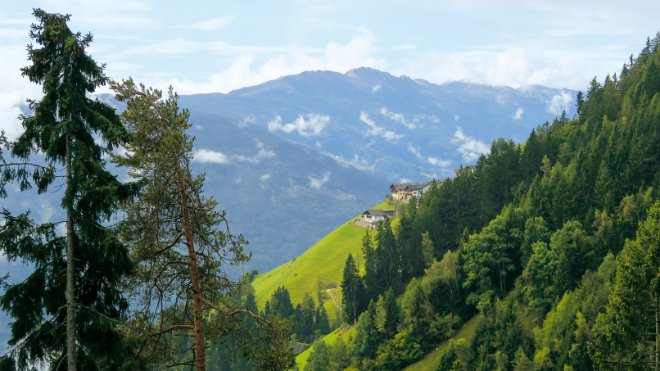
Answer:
(319, 358)
(66, 312)
(410, 245)
(353, 292)
(427, 249)
(539, 277)
(535, 231)
(573, 249)
(179, 242)
(579, 101)
(305, 323)
(367, 337)
(388, 259)
(628, 333)
(321, 322)
(280, 304)
(387, 314)
(371, 278)
(416, 311)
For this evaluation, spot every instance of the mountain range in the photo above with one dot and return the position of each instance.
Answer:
(292, 158)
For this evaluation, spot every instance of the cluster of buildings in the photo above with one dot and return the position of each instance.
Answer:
(401, 192)
(405, 191)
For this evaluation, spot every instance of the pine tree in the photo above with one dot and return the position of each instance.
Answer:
(387, 314)
(280, 304)
(628, 333)
(388, 259)
(427, 249)
(367, 338)
(321, 321)
(71, 301)
(371, 279)
(353, 292)
(410, 245)
(319, 358)
(178, 240)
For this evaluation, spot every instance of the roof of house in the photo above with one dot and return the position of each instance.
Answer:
(379, 212)
(407, 186)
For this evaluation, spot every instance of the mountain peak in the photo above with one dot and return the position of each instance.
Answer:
(368, 73)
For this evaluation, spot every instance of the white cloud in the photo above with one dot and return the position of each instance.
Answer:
(115, 14)
(176, 46)
(438, 162)
(376, 88)
(310, 124)
(398, 117)
(9, 112)
(375, 130)
(543, 60)
(391, 136)
(212, 23)
(12, 33)
(559, 103)
(415, 151)
(519, 113)
(208, 156)
(434, 161)
(264, 177)
(247, 121)
(262, 154)
(316, 183)
(469, 148)
(356, 162)
(253, 65)
(215, 157)
(14, 89)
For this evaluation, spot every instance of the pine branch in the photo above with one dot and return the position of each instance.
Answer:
(172, 328)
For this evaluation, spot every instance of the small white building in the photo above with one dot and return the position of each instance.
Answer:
(375, 216)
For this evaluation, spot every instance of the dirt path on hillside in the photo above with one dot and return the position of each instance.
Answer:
(334, 299)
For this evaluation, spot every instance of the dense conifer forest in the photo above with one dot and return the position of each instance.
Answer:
(553, 244)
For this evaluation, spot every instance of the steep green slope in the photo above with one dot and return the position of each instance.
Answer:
(343, 333)
(320, 267)
(432, 359)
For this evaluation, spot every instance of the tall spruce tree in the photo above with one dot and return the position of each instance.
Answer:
(67, 311)
(178, 240)
(353, 292)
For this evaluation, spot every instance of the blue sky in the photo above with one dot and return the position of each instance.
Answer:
(218, 46)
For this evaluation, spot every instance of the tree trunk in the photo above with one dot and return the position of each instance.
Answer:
(200, 357)
(657, 332)
(70, 289)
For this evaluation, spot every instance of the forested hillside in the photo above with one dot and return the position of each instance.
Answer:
(554, 243)
(544, 255)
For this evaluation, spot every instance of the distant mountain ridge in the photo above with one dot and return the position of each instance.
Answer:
(293, 158)
(399, 126)
(313, 149)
